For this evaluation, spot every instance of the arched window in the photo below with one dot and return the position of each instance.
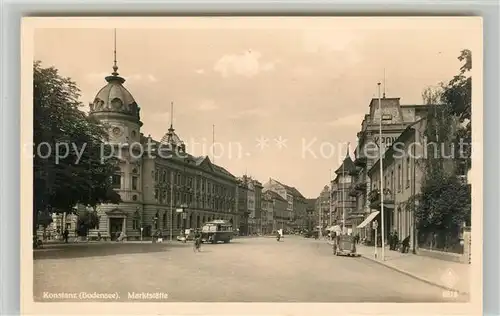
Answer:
(116, 178)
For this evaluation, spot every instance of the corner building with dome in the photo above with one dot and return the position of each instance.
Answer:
(155, 185)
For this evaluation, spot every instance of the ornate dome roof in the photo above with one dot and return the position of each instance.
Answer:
(171, 139)
(114, 97)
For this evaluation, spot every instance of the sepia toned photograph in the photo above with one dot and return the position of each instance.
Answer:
(245, 159)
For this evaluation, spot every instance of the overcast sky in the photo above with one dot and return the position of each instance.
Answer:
(308, 81)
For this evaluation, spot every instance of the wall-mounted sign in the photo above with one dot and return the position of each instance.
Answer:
(386, 140)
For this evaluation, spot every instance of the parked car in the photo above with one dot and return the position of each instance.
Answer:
(187, 235)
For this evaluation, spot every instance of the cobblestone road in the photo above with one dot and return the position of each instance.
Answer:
(246, 270)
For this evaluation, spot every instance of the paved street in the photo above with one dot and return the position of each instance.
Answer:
(246, 270)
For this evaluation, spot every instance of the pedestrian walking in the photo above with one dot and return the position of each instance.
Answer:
(395, 240)
(66, 235)
(405, 245)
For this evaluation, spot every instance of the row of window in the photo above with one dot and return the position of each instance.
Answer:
(395, 181)
(116, 179)
(166, 176)
(177, 198)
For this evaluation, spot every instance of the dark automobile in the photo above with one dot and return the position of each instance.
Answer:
(311, 234)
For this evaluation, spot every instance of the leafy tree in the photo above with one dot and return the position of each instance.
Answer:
(444, 202)
(61, 181)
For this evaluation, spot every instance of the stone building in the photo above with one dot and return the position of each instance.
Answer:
(395, 118)
(164, 189)
(278, 207)
(403, 171)
(323, 208)
(402, 180)
(311, 216)
(296, 202)
(342, 204)
(249, 205)
(267, 215)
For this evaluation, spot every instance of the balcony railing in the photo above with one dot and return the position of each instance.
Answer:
(374, 198)
(359, 186)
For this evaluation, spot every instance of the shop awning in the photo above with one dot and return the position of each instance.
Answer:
(368, 219)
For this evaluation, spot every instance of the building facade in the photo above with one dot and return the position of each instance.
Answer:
(402, 179)
(311, 215)
(342, 204)
(278, 206)
(395, 118)
(403, 168)
(323, 208)
(296, 202)
(163, 189)
(267, 215)
(249, 205)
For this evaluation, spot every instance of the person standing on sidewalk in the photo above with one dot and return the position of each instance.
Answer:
(66, 235)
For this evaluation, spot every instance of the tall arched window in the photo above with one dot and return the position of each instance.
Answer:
(164, 220)
(116, 178)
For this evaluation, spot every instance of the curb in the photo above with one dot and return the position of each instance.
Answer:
(412, 275)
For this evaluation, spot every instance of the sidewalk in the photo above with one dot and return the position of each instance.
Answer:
(448, 275)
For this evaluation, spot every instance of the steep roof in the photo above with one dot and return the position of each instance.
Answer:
(186, 157)
(346, 166)
(275, 195)
(292, 190)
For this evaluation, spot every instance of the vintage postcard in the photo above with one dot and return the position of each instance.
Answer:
(195, 165)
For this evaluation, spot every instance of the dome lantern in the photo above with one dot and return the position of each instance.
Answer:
(114, 98)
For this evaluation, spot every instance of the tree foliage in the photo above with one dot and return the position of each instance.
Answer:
(64, 180)
(444, 202)
(87, 219)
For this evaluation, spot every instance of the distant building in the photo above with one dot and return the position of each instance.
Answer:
(267, 215)
(343, 205)
(296, 202)
(311, 215)
(278, 206)
(249, 205)
(323, 208)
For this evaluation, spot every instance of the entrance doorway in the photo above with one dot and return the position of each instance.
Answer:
(115, 227)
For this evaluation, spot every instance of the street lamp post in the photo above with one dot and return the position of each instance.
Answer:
(155, 222)
(381, 163)
(184, 208)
